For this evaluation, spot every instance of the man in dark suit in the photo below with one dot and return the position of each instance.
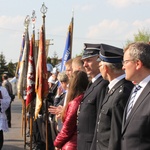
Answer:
(136, 118)
(108, 129)
(87, 112)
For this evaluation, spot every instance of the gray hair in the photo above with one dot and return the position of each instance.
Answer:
(115, 67)
(140, 51)
(62, 77)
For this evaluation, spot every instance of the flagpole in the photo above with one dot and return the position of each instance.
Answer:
(71, 31)
(33, 17)
(68, 46)
(43, 11)
(26, 25)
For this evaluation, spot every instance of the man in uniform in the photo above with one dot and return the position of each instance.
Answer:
(87, 112)
(109, 122)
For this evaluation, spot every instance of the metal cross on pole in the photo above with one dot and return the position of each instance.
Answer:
(27, 22)
(43, 11)
(33, 17)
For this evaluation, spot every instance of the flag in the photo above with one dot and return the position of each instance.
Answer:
(68, 47)
(20, 57)
(41, 84)
(31, 73)
(36, 51)
(22, 85)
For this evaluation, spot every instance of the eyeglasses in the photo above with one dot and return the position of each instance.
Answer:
(126, 61)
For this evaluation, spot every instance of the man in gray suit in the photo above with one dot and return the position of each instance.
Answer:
(136, 119)
(92, 99)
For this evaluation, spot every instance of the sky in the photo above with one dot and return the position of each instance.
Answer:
(112, 22)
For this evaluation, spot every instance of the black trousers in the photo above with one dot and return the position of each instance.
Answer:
(8, 114)
(42, 131)
(1, 139)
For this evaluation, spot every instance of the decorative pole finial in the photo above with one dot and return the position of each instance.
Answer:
(33, 17)
(72, 12)
(27, 21)
(43, 9)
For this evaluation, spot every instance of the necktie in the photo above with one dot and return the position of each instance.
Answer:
(90, 83)
(130, 105)
(107, 90)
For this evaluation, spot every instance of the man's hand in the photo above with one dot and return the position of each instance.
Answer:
(55, 110)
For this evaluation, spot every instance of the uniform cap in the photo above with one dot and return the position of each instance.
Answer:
(110, 54)
(90, 50)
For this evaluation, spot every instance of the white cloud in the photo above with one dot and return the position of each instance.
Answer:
(116, 30)
(140, 23)
(106, 28)
(124, 3)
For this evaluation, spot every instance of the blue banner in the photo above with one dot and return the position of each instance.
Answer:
(67, 52)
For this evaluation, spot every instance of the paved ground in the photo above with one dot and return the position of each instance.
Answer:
(13, 139)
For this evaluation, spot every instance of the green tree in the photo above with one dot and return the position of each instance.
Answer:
(11, 69)
(48, 60)
(3, 66)
(142, 36)
(54, 59)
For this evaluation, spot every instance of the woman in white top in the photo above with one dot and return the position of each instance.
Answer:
(4, 104)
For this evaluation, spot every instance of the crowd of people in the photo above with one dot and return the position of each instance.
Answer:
(100, 102)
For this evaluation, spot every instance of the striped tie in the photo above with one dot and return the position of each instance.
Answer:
(130, 105)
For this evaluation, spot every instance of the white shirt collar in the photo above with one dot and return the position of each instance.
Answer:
(144, 82)
(114, 81)
(95, 78)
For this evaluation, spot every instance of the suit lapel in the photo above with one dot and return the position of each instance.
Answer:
(115, 87)
(139, 101)
(91, 88)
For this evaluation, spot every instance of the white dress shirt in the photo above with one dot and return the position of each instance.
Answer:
(115, 81)
(143, 84)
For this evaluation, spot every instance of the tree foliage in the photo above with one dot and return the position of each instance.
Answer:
(54, 59)
(6, 68)
(142, 36)
(3, 66)
(11, 69)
